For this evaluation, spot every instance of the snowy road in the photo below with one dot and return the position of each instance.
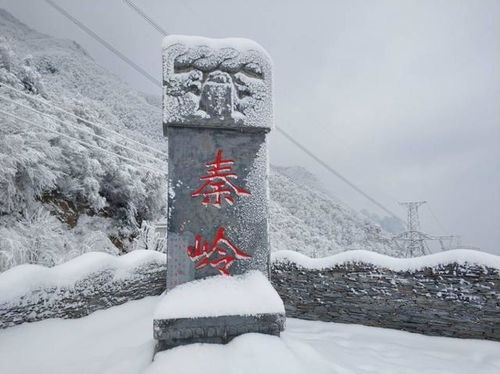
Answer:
(118, 340)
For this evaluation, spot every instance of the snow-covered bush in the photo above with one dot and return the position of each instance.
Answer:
(38, 237)
(41, 169)
(149, 238)
(5, 54)
(30, 77)
(28, 165)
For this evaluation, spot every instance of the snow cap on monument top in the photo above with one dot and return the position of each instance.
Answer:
(216, 83)
(240, 44)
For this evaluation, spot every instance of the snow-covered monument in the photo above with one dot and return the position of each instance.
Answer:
(217, 113)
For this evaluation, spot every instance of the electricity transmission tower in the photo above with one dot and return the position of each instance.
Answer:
(413, 239)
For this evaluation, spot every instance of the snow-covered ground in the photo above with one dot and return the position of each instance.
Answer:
(119, 340)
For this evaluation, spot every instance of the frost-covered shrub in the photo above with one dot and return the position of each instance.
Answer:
(92, 234)
(149, 238)
(38, 237)
(30, 77)
(28, 165)
(6, 54)
(37, 164)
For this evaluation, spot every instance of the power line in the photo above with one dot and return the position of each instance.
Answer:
(443, 230)
(81, 142)
(86, 121)
(142, 154)
(334, 172)
(158, 28)
(146, 17)
(103, 42)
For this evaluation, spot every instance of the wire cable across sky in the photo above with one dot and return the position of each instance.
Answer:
(31, 123)
(84, 120)
(103, 42)
(65, 123)
(158, 83)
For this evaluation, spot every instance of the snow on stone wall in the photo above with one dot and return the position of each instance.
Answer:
(464, 257)
(454, 293)
(78, 287)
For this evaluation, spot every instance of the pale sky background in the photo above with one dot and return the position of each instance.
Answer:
(402, 97)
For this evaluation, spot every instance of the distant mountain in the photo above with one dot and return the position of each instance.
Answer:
(97, 201)
(307, 220)
(302, 176)
(390, 224)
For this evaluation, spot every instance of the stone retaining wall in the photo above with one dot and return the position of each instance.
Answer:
(101, 288)
(447, 300)
(451, 299)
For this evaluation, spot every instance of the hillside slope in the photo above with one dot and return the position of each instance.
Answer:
(71, 78)
(98, 193)
(307, 220)
(97, 200)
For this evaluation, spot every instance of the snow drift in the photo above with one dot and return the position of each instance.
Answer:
(119, 340)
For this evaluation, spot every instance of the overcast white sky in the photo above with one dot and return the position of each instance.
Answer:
(402, 97)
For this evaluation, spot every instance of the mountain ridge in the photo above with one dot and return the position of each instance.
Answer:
(108, 196)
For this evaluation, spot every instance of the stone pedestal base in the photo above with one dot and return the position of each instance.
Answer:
(217, 309)
(170, 333)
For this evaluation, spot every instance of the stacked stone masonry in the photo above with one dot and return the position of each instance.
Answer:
(99, 290)
(173, 332)
(450, 300)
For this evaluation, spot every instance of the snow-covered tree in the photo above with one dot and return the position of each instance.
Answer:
(85, 172)
(6, 54)
(30, 77)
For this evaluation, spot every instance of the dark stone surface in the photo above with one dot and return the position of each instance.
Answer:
(245, 222)
(450, 300)
(173, 332)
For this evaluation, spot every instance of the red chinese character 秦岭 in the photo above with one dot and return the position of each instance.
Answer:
(202, 252)
(217, 184)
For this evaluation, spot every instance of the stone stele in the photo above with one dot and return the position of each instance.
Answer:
(217, 111)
